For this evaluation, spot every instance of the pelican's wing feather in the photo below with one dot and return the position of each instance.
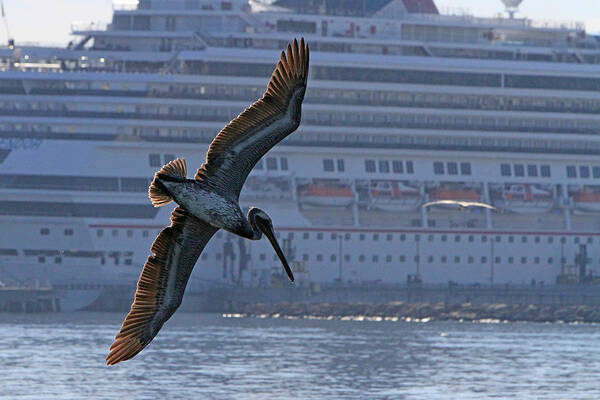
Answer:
(162, 283)
(238, 147)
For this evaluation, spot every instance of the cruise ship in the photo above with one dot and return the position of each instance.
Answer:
(404, 105)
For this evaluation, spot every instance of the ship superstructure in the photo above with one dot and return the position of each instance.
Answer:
(405, 105)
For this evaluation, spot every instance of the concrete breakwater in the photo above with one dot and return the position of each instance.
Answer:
(426, 312)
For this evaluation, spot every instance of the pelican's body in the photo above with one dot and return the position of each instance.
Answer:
(209, 202)
(211, 207)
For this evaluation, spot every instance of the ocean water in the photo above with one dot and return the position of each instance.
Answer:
(206, 356)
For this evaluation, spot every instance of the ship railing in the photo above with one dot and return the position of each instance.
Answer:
(86, 26)
(499, 21)
(121, 5)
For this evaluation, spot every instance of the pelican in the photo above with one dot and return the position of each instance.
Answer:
(461, 204)
(209, 202)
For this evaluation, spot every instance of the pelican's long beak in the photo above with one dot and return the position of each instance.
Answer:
(267, 229)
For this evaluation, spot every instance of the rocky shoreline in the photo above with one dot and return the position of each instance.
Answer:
(424, 312)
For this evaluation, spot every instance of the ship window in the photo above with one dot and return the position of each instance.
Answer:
(262, 257)
(259, 164)
(154, 160)
(550, 239)
(402, 258)
(283, 162)
(409, 167)
(375, 236)
(319, 257)
(545, 171)
(457, 238)
(571, 171)
(305, 235)
(511, 259)
(320, 236)
(596, 171)
(57, 260)
(465, 168)
(340, 165)
(511, 239)
(347, 236)
(41, 260)
(438, 168)
(44, 231)
(532, 170)
(361, 258)
(497, 260)
(523, 260)
(347, 257)
(444, 259)
(550, 260)
(384, 166)
(328, 165)
(536, 260)
(68, 232)
(361, 237)
(388, 237)
(524, 239)
(444, 238)
(168, 157)
(576, 240)
(456, 259)
(332, 257)
(483, 260)
(205, 256)
(430, 238)
(397, 167)
(145, 233)
(402, 237)
(129, 233)
(519, 170)
(333, 236)
(429, 259)
(590, 240)
(498, 239)
(100, 232)
(305, 257)
(505, 169)
(370, 165)
(563, 239)
(537, 239)
(452, 168)
(471, 238)
(375, 258)
(484, 239)
(584, 171)
(271, 163)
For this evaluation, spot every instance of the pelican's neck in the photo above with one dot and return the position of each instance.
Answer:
(256, 233)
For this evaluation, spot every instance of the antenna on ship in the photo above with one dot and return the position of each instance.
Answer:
(512, 6)
(11, 41)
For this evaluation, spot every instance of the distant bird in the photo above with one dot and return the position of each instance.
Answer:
(461, 204)
(209, 202)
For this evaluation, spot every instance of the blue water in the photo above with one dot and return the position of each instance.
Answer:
(205, 356)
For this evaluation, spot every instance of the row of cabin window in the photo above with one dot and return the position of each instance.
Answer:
(329, 165)
(361, 236)
(519, 170)
(155, 159)
(116, 260)
(452, 168)
(383, 166)
(584, 171)
(431, 259)
(272, 165)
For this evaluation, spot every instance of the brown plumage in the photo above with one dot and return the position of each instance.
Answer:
(231, 156)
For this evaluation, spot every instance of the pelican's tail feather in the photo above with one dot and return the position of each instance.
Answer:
(173, 170)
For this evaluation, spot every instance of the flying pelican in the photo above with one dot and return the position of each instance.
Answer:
(209, 202)
(461, 204)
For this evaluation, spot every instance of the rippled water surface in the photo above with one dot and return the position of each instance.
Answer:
(205, 356)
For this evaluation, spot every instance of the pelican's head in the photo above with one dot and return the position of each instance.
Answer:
(261, 223)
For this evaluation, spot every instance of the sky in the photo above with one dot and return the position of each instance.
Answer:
(49, 22)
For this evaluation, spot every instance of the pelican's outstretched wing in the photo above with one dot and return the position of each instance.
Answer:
(238, 147)
(162, 283)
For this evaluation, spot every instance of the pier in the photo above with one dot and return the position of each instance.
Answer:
(16, 299)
